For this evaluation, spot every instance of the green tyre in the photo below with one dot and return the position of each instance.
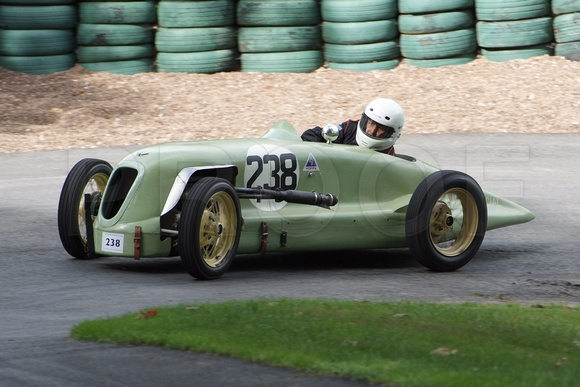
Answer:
(453, 61)
(282, 62)
(362, 67)
(92, 54)
(361, 53)
(195, 39)
(37, 42)
(518, 33)
(186, 14)
(347, 11)
(567, 28)
(33, 17)
(207, 62)
(501, 55)
(119, 12)
(107, 1)
(38, 2)
(570, 51)
(565, 6)
(122, 67)
(264, 13)
(438, 45)
(279, 39)
(114, 34)
(359, 32)
(436, 22)
(501, 10)
(38, 64)
(430, 6)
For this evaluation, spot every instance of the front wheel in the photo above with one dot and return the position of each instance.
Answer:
(209, 228)
(446, 220)
(88, 176)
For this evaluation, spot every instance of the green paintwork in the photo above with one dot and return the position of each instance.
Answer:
(374, 190)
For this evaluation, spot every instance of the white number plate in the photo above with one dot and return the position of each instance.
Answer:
(113, 243)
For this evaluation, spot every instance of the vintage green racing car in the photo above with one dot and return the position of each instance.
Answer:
(207, 201)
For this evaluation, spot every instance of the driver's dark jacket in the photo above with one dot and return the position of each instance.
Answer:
(346, 135)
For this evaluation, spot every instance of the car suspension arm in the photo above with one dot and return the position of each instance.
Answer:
(290, 196)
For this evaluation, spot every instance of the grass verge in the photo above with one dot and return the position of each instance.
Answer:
(403, 343)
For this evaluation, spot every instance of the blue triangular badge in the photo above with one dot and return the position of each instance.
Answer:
(311, 164)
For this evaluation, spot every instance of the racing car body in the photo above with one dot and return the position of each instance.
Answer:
(207, 201)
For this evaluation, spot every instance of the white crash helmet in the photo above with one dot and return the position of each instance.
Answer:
(383, 111)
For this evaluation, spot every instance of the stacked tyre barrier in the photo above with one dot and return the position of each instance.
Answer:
(438, 33)
(279, 35)
(209, 36)
(567, 28)
(196, 36)
(360, 35)
(116, 36)
(37, 36)
(514, 29)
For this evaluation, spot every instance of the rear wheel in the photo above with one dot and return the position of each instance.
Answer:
(446, 220)
(209, 228)
(88, 176)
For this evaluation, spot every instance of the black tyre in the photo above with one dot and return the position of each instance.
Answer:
(446, 220)
(88, 176)
(209, 228)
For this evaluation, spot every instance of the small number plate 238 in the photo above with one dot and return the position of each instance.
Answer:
(112, 243)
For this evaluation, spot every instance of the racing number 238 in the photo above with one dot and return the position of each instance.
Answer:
(283, 170)
(112, 242)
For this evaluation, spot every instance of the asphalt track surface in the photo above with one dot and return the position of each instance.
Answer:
(44, 292)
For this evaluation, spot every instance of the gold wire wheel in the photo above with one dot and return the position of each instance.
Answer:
(453, 222)
(96, 183)
(217, 229)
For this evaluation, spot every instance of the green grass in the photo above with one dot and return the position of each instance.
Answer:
(405, 344)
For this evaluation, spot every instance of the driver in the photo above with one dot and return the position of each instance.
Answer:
(378, 129)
